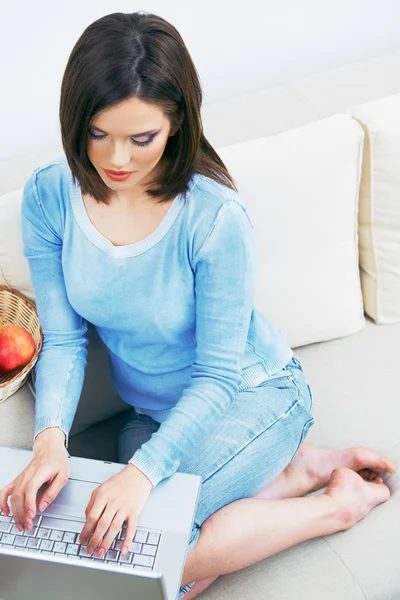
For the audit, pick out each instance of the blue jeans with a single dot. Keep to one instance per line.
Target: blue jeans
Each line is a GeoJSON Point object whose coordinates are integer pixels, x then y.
{"type": "Point", "coordinates": [249, 447]}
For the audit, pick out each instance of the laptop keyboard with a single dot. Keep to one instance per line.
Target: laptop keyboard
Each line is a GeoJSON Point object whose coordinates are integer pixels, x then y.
{"type": "Point", "coordinates": [60, 537]}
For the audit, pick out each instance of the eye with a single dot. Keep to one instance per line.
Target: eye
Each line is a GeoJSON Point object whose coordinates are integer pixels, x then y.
{"type": "Point", "coordinates": [101, 137]}
{"type": "Point", "coordinates": [146, 143]}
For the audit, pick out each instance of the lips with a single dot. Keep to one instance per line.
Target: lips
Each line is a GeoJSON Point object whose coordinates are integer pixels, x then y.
{"type": "Point", "coordinates": [118, 172]}
{"type": "Point", "coordinates": [118, 175]}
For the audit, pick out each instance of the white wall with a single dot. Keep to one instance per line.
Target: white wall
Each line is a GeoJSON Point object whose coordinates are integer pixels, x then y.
{"type": "Point", "coordinates": [236, 47]}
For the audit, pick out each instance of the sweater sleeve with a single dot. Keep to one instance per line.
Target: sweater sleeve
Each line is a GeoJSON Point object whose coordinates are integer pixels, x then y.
{"type": "Point", "coordinates": [224, 295]}
{"type": "Point", "coordinates": [62, 359]}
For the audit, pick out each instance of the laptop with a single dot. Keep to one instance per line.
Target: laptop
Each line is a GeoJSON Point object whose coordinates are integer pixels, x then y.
{"type": "Point", "coordinates": [48, 563]}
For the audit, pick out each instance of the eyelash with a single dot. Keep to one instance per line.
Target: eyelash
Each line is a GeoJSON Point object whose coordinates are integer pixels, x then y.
{"type": "Point", "coordinates": [101, 137]}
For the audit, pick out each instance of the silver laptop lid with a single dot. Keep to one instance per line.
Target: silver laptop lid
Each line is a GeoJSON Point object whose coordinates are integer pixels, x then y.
{"type": "Point", "coordinates": [170, 508]}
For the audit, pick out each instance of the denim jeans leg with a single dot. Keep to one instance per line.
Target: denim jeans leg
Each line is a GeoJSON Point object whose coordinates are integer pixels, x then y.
{"type": "Point", "coordinates": [137, 430]}
{"type": "Point", "coordinates": [251, 444]}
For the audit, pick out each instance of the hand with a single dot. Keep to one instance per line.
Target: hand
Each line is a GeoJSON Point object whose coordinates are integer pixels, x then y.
{"type": "Point", "coordinates": [120, 498]}
{"type": "Point", "coordinates": [50, 463]}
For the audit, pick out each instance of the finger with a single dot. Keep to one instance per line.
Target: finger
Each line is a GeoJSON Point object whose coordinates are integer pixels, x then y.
{"type": "Point", "coordinates": [101, 529]}
{"type": "Point", "coordinates": [4, 494]}
{"type": "Point", "coordinates": [91, 520]}
{"type": "Point", "coordinates": [130, 532]}
{"type": "Point", "coordinates": [17, 502]}
{"type": "Point", "coordinates": [31, 487]}
{"type": "Point", "coordinates": [112, 532]}
{"type": "Point", "coordinates": [92, 500]}
{"type": "Point", "coordinates": [50, 494]}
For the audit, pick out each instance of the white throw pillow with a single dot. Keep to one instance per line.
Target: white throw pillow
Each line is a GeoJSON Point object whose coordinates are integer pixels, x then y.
{"type": "Point", "coordinates": [379, 214]}
{"type": "Point", "coordinates": [14, 267]}
{"type": "Point", "coordinates": [301, 190]}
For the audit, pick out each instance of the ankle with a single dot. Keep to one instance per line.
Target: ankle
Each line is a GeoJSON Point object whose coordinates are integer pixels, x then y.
{"type": "Point", "coordinates": [341, 515]}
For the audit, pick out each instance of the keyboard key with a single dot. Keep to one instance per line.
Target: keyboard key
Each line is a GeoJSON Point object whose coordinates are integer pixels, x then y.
{"type": "Point", "coordinates": [59, 547]}
{"type": "Point", "coordinates": [7, 538]}
{"type": "Point", "coordinates": [150, 550]}
{"type": "Point", "coordinates": [153, 538]}
{"type": "Point", "coordinates": [5, 527]}
{"type": "Point", "coordinates": [141, 537]}
{"type": "Point", "coordinates": [83, 552]}
{"type": "Point", "coordinates": [135, 547]}
{"type": "Point", "coordinates": [14, 529]}
{"type": "Point", "coordinates": [33, 543]}
{"type": "Point", "coordinates": [4, 519]}
{"type": "Point", "coordinates": [112, 555]}
{"type": "Point", "coordinates": [56, 536]}
{"type": "Point", "coordinates": [69, 537]}
{"type": "Point", "coordinates": [31, 533]}
{"type": "Point", "coordinates": [72, 549]}
{"type": "Point", "coordinates": [43, 533]}
{"type": "Point", "coordinates": [20, 540]}
{"type": "Point", "coordinates": [144, 561]}
{"type": "Point", "coordinates": [125, 558]}
{"type": "Point", "coordinates": [46, 545]}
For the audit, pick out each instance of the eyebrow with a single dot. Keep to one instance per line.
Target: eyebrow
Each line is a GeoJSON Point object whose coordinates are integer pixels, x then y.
{"type": "Point", "coordinates": [132, 135]}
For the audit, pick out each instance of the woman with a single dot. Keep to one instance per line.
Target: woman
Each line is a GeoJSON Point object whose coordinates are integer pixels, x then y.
{"type": "Point", "coordinates": [160, 258]}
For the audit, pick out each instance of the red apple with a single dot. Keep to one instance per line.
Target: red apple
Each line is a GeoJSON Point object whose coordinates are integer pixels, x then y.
{"type": "Point", "coordinates": [17, 347]}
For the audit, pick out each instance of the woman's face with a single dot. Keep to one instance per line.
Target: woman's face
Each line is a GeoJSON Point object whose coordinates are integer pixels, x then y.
{"type": "Point", "coordinates": [118, 142]}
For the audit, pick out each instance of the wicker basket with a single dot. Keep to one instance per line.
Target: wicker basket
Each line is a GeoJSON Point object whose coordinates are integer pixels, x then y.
{"type": "Point", "coordinates": [15, 309]}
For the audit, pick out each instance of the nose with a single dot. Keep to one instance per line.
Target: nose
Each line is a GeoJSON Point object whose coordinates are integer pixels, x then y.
{"type": "Point", "coordinates": [120, 157]}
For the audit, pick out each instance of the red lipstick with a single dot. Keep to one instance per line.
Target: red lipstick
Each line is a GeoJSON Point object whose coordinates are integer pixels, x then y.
{"type": "Point", "coordinates": [118, 175]}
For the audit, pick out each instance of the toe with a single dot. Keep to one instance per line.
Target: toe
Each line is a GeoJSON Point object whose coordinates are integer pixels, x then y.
{"type": "Point", "coordinates": [368, 459]}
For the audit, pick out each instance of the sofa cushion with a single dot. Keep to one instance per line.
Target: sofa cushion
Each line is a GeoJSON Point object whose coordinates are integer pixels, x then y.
{"type": "Point", "coordinates": [354, 383]}
{"type": "Point", "coordinates": [301, 189]}
{"type": "Point", "coordinates": [379, 214]}
{"type": "Point", "coordinates": [17, 415]}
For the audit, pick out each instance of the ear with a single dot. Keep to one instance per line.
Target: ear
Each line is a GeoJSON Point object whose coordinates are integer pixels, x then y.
{"type": "Point", "coordinates": [175, 129]}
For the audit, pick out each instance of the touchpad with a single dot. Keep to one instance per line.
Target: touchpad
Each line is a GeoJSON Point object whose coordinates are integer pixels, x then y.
{"type": "Point", "coordinates": [72, 500]}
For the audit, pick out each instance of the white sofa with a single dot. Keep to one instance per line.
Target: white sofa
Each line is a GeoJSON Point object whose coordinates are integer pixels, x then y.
{"type": "Point", "coordinates": [317, 163]}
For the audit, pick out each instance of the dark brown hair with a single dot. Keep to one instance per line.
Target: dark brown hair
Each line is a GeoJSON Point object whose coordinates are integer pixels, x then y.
{"type": "Point", "coordinates": [127, 55]}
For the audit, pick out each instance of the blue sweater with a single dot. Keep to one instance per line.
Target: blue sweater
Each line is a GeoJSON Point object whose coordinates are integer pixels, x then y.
{"type": "Point", "coordinates": [175, 311]}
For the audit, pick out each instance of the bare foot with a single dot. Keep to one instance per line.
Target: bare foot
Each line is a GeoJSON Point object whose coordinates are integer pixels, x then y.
{"type": "Point", "coordinates": [311, 470]}
{"type": "Point", "coordinates": [355, 497]}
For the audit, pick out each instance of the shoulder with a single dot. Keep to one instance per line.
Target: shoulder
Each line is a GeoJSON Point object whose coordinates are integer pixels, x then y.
{"type": "Point", "coordinates": [210, 202]}
{"type": "Point", "coordinates": [208, 196]}
{"type": "Point", "coordinates": [47, 190]}
{"type": "Point", "coordinates": [51, 174]}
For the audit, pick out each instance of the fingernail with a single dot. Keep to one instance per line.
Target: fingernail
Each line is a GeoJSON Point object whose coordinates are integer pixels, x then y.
{"type": "Point", "coordinates": [100, 552]}
{"type": "Point", "coordinates": [19, 526]}
{"type": "Point", "coordinates": [89, 550]}
{"type": "Point", "coordinates": [43, 506]}
{"type": "Point", "coordinates": [30, 513]}
{"type": "Point", "coordinates": [124, 549]}
{"type": "Point", "coordinates": [27, 525]}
